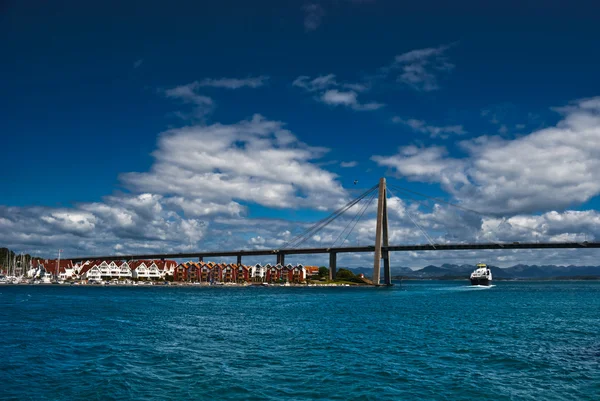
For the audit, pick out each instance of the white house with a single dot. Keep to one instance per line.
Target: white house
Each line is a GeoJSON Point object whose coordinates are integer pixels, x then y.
{"type": "Point", "coordinates": [145, 270]}
{"type": "Point", "coordinates": [90, 271]}
{"type": "Point", "coordinates": [258, 273]}
{"type": "Point", "coordinates": [104, 269]}
{"type": "Point", "coordinates": [153, 272]}
{"type": "Point", "coordinates": [166, 267]}
{"type": "Point", "coordinates": [124, 270]}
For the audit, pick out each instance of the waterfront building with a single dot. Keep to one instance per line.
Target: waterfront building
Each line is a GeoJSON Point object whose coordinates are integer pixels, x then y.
{"type": "Point", "coordinates": [243, 274]}
{"type": "Point", "coordinates": [104, 269]}
{"type": "Point", "coordinates": [139, 270]}
{"type": "Point", "coordinates": [124, 270]}
{"type": "Point", "coordinates": [217, 272]}
{"type": "Point", "coordinates": [180, 273]}
{"type": "Point", "coordinates": [298, 274]}
{"type": "Point", "coordinates": [51, 267]}
{"type": "Point", "coordinates": [273, 273]}
{"type": "Point", "coordinates": [205, 270]}
{"type": "Point", "coordinates": [286, 273]}
{"type": "Point", "coordinates": [311, 271]}
{"type": "Point", "coordinates": [90, 271]}
{"type": "Point", "coordinates": [145, 270]}
{"type": "Point", "coordinates": [166, 267]}
{"type": "Point", "coordinates": [229, 273]}
{"type": "Point", "coordinates": [258, 273]}
{"type": "Point", "coordinates": [193, 272]}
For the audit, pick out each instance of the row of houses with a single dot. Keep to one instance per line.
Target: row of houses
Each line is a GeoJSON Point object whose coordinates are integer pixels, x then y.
{"type": "Point", "coordinates": [95, 270]}
{"type": "Point", "coordinates": [234, 273]}
{"type": "Point", "coordinates": [102, 269]}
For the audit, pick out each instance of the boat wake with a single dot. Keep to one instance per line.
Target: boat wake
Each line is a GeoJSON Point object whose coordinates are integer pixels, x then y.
{"type": "Point", "coordinates": [480, 287]}
{"type": "Point", "coordinates": [466, 288]}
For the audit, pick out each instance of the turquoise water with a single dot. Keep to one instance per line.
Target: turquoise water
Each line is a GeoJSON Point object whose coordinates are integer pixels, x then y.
{"type": "Point", "coordinates": [421, 340]}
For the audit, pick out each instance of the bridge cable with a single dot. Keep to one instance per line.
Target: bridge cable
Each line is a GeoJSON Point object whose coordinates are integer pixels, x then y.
{"type": "Point", "coordinates": [464, 208]}
{"type": "Point", "coordinates": [303, 233]}
{"type": "Point", "coordinates": [322, 223]}
{"type": "Point", "coordinates": [297, 240]}
{"type": "Point", "coordinates": [364, 210]}
{"type": "Point", "coordinates": [415, 223]}
{"type": "Point", "coordinates": [321, 226]}
{"type": "Point", "coordinates": [360, 211]}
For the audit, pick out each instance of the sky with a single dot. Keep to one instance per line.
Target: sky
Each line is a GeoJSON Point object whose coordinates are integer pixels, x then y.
{"type": "Point", "coordinates": [151, 127]}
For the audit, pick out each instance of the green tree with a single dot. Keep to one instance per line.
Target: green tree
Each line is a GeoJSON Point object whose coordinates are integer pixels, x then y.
{"type": "Point", "coordinates": [344, 274]}
{"type": "Point", "coordinates": [323, 272]}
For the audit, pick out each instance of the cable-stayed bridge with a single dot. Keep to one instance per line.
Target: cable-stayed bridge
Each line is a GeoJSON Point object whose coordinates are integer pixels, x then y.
{"type": "Point", "coordinates": [381, 248]}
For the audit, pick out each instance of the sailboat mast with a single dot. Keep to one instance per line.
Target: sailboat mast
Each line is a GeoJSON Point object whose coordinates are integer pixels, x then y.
{"type": "Point", "coordinates": [58, 265]}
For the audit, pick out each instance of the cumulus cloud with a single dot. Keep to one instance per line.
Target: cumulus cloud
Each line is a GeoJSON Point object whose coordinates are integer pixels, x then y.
{"type": "Point", "coordinates": [349, 164]}
{"type": "Point", "coordinates": [137, 223]}
{"type": "Point", "coordinates": [330, 93]}
{"type": "Point", "coordinates": [349, 99]}
{"type": "Point", "coordinates": [552, 168]}
{"type": "Point", "coordinates": [433, 131]}
{"type": "Point", "coordinates": [255, 160]}
{"type": "Point", "coordinates": [203, 180]}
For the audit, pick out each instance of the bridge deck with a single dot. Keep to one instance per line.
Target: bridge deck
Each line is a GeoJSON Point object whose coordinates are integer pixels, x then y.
{"type": "Point", "coordinates": [393, 248]}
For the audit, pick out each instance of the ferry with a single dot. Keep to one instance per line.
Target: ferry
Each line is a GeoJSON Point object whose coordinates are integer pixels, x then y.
{"type": "Point", "coordinates": [482, 275]}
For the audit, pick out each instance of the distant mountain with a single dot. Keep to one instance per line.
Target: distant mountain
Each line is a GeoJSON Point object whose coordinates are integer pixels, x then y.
{"type": "Point", "coordinates": [527, 271]}
{"type": "Point", "coordinates": [396, 270]}
{"type": "Point", "coordinates": [520, 271]}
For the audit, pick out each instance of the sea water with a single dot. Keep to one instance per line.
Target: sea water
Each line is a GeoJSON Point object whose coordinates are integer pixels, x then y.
{"type": "Point", "coordinates": [429, 340]}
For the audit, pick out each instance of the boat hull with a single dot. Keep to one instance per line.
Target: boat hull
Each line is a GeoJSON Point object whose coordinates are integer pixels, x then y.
{"type": "Point", "coordinates": [480, 281]}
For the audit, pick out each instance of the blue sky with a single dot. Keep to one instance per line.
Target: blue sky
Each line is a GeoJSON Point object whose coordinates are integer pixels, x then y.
{"type": "Point", "coordinates": [104, 103]}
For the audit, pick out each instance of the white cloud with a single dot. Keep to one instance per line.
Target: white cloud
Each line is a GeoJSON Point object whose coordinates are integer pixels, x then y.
{"type": "Point", "coordinates": [328, 86]}
{"type": "Point", "coordinates": [235, 83]}
{"type": "Point", "coordinates": [335, 97]}
{"type": "Point", "coordinates": [203, 105]}
{"type": "Point", "coordinates": [349, 164]}
{"type": "Point", "coordinates": [198, 208]}
{"type": "Point", "coordinates": [432, 130]}
{"type": "Point", "coordinates": [419, 68]}
{"type": "Point", "coordinates": [423, 164]}
{"type": "Point", "coordinates": [551, 168]}
{"type": "Point", "coordinates": [313, 15]}
{"type": "Point", "coordinates": [135, 223]}
{"type": "Point", "coordinates": [319, 83]}
{"type": "Point", "coordinates": [187, 93]}
{"type": "Point", "coordinates": [255, 161]}
{"type": "Point", "coordinates": [349, 99]}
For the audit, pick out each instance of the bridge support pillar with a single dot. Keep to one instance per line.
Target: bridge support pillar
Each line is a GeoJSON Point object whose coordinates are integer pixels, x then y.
{"type": "Point", "coordinates": [239, 260]}
{"type": "Point", "coordinates": [281, 258]}
{"type": "Point", "coordinates": [332, 265]}
{"type": "Point", "coordinates": [381, 238]}
{"type": "Point", "coordinates": [200, 259]}
{"type": "Point", "coordinates": [387, 274]}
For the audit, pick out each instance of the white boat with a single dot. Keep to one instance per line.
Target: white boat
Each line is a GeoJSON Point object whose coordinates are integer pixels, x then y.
{"type": "Point", "coordinates": [482, 275]}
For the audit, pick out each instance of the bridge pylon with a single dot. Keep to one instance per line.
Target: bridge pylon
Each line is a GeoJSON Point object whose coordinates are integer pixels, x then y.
{"type": "Point", "coordinates": [382, 238]}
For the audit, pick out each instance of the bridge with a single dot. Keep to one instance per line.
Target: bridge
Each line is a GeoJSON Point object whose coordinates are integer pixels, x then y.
{"type": "Point", "coordinates": [381, 249]}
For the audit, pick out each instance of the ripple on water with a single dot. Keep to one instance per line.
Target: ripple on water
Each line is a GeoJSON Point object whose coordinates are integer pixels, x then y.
{"type": "Point", "coordinates": [421, 340]}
